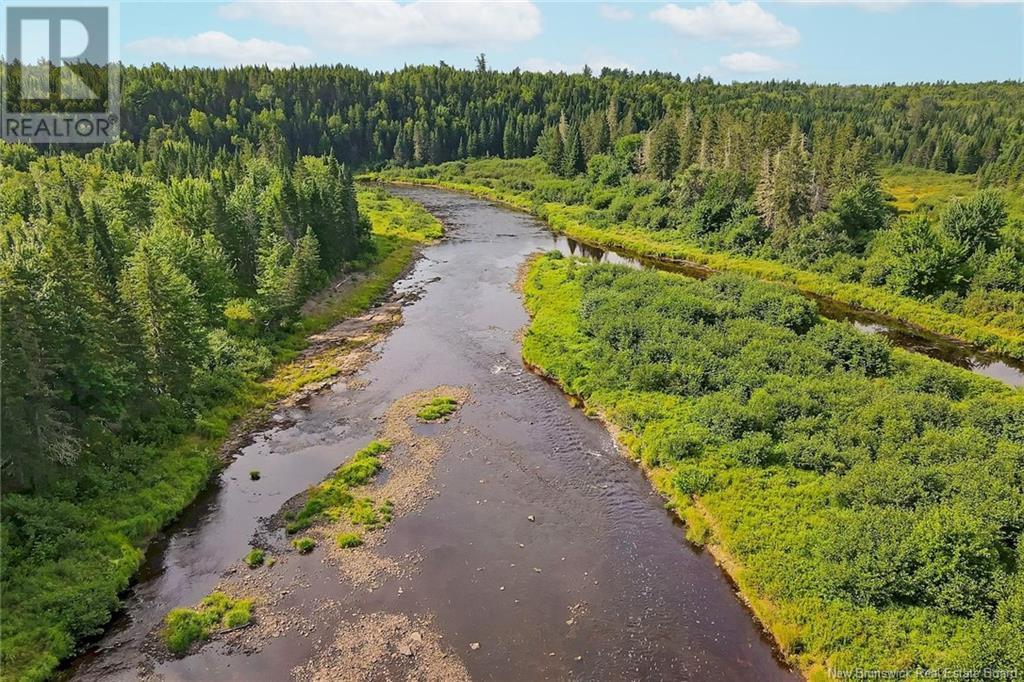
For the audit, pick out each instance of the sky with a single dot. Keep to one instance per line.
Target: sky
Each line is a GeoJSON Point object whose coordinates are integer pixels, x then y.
{"type": "Point", "coordinates": [823, 41]}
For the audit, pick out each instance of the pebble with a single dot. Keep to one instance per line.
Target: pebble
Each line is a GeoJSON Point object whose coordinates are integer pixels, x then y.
{"type": "Point", "coordinates": [474, 645]}
{"type": "Point", "coordinates": [531, 518]}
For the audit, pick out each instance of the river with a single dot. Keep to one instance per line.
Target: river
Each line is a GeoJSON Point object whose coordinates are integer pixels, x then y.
{"type": "Point", "coordinates": [601, 584]}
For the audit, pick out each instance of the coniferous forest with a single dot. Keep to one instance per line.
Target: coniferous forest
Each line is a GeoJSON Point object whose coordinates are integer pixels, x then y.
{"type": "Point", "coordinates": [151, 288]}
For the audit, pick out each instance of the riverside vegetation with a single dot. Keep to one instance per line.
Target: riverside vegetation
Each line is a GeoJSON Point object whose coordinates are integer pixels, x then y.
{"type": "Point", "coordinates": [183, 627]}
{"type": "Point", "coordinates": [149, 301]}
{"type": "Point", "coordinates": [152, 290]}
{"type": "Point", "coordinates": [869, 502]}
{"type": "Point", "coordinates": [955, 268]}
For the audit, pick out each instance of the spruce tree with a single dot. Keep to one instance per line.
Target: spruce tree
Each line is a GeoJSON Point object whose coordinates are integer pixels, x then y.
{"type": "Point", "coordinates": [573, 162]}
{"type": "Point", "coordinates": [166, 307]}
{"type": "Point", "coordinates": [663, 152]}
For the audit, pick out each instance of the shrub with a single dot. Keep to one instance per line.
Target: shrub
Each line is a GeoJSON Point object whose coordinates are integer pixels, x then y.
{"type": "Point", "coordinates": [304, 545]}
{"type": "Point", "coordinates": [183, 627]}
{"type": "Point", "coordinates": [348, 540]}
{"type": "Point", "coordinates": [871, 498]}
{"type": "Point", "coordinates": [255, 558]}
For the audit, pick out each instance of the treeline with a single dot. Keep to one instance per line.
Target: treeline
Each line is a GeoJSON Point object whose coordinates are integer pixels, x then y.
{"type": "Point", "coordinates": [432, 114]}
{"type": "Point", "coordinates": [872, 496]}
{"type": "Point", "coordinates": [141, 285]}
{"type": "Point", "coordinates": [764, 187]}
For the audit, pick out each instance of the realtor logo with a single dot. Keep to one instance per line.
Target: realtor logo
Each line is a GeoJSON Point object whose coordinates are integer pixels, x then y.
{"type": "Point", "coordinates": [61, 81]}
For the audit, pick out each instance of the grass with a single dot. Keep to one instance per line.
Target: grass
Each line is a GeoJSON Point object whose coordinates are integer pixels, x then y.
{"type": "Point", "coordinates": [398, 217]}
{"type": "Point", "coordinates": [665, 245]}
{"type": "Point", "coordinates": [333, 497]}
{"type": "Point", "coordinates": [255, 558]}
{"type": "Point", "coordinates": [918, 190]}
{"type": "Point", "coordinates": [438, 409]}
{"type": "Point", "coordinates": [82, 564]}
{"type": "Point", "coordinates": [349, 540]}
{"type": "Point", "coordinates": [183, 627]}
{"type": "Point", "coordinates": [304, 545]}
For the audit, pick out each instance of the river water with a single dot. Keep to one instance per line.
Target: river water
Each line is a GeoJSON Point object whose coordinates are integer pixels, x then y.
{"type": "Point", "coordinates": [601, 585]}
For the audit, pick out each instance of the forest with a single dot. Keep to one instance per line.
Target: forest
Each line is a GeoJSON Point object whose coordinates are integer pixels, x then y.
{"type": "Point", "coordinates": [147, 300]}
{"type": "Point", "coordinates": [431, 114]}
{"type": "Point", "coordinates": [153, 295]}
{"type": "Point", "coordinates": [871, 497]}
{"type": "Point", "coordinates": [822, 220]}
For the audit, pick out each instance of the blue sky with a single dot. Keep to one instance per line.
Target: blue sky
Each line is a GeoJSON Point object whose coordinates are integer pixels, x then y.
{"type": "Point", "coordinates": [844, 41]}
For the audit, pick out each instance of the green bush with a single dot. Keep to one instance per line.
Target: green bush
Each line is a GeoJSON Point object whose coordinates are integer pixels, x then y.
{"type": "Point", "coordinates": [349, 540]}
{"type": "Point", "coordinates": [183, 627]}
{"type": "Point", "coordinates": [871, 496]}
{"type": "Point", "coordinates": [255, 558]}
{"type": "Point", "coordinates": [333, 496]}
{"type": "Point", "coordinates": [304, 545]}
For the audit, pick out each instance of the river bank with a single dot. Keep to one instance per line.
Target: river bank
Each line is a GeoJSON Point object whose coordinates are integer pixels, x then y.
{"type": "Point", "coordinates": [788, 516]}
{"type": "Point", "coordinates": [116, 534]}
{"type": "Point", "coordinates": [992, 344]}
{"type": "Point", "coordinates": [538, 548]}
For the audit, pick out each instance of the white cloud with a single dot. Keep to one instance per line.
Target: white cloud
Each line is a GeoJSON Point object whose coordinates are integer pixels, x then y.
{"type": "Point", "coordinates": [596, 63]}
{"type": "Point", "coordinates": [742, 23]}
{"type": "Point", "coordinates": [751, 62]}
{"type": "Point", "coordinates": [364, 24]}
{"type": "Point", "coordinates": [615, 12]}
{"type": "Point", "coordinates": [221, 48]}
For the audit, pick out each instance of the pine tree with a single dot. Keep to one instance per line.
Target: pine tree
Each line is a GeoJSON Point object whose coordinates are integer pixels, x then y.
{"type": "Point", "coordinates": [166, 307]}
{"type": "Point", "coordinates": [942, 159]}
{"type": "Point", "coordinates": [573, 162]}
{"type": "Point", "coordinates": [551, 149]}
{"type": "Point", "coordinates": [303, 275]}
{"type": "Point", "coordinates": [38, 432]}
{"type": "Point", "coordinates": [662, 159]}
{"type": "Point", "coordinates": [791, 186]}
{"type": "Point", "coordinates": [764, 195]}
{"type": "Point", "coordinates": [275, 256]}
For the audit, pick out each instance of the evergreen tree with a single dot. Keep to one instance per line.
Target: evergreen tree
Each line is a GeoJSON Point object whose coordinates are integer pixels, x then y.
{"type": "Point", "coordinates": [791, 185]}
{"type": "Point", "coordinates": [166, 308]}
{"type": "Point", "coordinates": [662, 158]}
{"type": "Point", "coordinates": [573, 162]}
{"type": "Point", "coordinates": [551, 149]}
